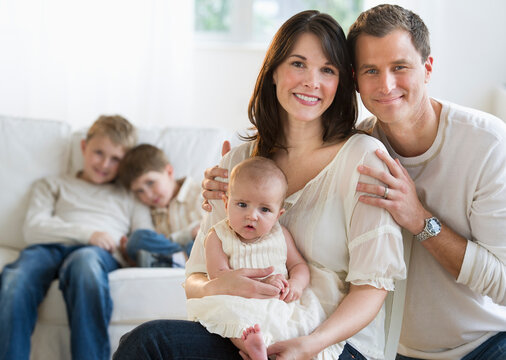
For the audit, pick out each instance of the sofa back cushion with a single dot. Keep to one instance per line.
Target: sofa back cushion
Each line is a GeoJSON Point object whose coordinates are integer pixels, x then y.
{"type": "Point", "coordinates": [29, 149]}
{"type": "Point", "coordinates": [189, 150]}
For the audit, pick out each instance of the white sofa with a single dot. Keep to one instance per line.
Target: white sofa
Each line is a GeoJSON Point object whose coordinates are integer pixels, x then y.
{"type": "Point", "coordinates": [31, 149]}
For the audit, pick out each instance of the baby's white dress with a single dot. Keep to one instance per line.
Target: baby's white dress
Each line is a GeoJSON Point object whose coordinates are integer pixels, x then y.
{"type": "Point", "coordinates": [228, 315]}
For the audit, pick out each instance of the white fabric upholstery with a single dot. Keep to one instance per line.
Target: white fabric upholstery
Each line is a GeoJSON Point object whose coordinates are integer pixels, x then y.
{"type": "Point", "coordinates": [31, 149]}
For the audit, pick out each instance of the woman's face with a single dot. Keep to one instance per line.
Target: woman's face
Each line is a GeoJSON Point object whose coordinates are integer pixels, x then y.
{"type": "Point", "coordinates": [306, 82]}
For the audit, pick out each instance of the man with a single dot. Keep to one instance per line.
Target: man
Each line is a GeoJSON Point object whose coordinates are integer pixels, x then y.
{"type": "Point", "coordinates": [447, 187]}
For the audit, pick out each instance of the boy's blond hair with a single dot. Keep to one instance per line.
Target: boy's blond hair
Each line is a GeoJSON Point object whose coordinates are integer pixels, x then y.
{"type": "Point", "coordinates": [118, 129]}
{"type": "Point", "coordinates": [258, 169]}
{"type": "Point", "coordinates": [139, 161]}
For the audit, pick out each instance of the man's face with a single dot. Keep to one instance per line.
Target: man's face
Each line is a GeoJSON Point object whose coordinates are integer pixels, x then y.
{"type": "Point", "coordinates": [391, 77]}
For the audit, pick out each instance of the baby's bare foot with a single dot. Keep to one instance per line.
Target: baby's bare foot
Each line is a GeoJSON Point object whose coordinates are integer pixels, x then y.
{"type": "Point", "coordinates": [254, 343]}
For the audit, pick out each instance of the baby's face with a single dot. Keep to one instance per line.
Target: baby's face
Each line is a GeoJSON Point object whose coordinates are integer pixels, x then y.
{"type": "Point", "coordinates": [154, 188]}
{"type": "Point", "coordinates": [254, 208]}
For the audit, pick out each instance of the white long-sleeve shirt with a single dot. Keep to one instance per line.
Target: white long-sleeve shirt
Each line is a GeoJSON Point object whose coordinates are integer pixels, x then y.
{"type": "Point", "coordinates": [349, 241]}
{"type": "Point", "coordinates": [461, 179]}
{"type": "Point", "coordinates": [67, 209]}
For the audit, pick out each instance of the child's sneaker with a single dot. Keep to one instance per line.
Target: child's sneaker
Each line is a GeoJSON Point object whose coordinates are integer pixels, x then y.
{"type": "Point", "coordinates": [148, 259]}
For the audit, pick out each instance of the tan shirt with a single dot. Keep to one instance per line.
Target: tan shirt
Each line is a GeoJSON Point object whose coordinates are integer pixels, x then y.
{"type": "Point", "coordinates": [182, 215]}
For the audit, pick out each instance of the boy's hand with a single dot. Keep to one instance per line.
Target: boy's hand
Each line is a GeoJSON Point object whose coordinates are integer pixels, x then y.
{"type": "Point", "coordinates": [276, 280]}
{"type": "Point", "coordinates": [123, 251]}
{"type": "Point", "coordinates": [102, 240]}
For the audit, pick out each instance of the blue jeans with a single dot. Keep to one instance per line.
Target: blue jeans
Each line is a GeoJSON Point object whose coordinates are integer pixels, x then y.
{"type": "Point", "coordinates": [153, 242]}
{"type": "Point", "coordinates": [494, 348]}
{"type": "Point", "coordinates": [179, 339]}
{"type": "Point", "coordinates": [83, 279]}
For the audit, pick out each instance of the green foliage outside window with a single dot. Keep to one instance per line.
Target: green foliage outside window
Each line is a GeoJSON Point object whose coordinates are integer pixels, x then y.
{"type": "Point", "coordinates": [344, 11]}
{"type": "Point", "coordinates": [215, 16]}
{"type": "Point", "coordinates": [212, 15]}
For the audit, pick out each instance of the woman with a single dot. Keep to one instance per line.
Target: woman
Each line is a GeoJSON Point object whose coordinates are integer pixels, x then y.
{"type": "Point", "coordinates": [304, 110]}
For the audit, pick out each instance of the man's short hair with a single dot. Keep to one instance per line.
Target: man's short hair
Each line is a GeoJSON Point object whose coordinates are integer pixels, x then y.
{"type": "Point", "coordinates": [381, 20]}
{"type": "Point", "coordinates": [118, 129]}
{"type": "Point", "coordinates": [139, 161]}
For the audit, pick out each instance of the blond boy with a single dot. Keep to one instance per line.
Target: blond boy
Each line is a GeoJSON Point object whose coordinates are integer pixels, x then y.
{"type": "Point", "coordinates": [175, 207]}
{"type": "Point", "coordinates": [74, 223]}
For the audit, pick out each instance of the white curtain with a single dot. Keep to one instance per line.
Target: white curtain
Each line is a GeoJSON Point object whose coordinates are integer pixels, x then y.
{"type": "Point", "coordinates": [72, 60]}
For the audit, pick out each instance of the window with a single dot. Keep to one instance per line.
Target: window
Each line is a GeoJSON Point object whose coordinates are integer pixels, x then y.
{"type": "Point", "coordinates": [256, 21]}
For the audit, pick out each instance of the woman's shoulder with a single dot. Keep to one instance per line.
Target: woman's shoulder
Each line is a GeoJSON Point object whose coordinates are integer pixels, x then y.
{"type": "Point", "coordinates": [365, 142]}
{"type": "Point", "coordinates": [237, 154]}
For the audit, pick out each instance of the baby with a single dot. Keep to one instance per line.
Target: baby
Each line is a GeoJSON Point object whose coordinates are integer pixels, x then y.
{"type": "Point", "coordinates": [251, 237]}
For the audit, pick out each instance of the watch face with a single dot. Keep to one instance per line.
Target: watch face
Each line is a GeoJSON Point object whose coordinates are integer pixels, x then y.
{"type": "Point", "coordinates": [434, 226]}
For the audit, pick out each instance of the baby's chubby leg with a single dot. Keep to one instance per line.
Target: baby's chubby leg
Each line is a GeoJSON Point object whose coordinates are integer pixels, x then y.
{"type": "Point", "coordinates": [252, 344]}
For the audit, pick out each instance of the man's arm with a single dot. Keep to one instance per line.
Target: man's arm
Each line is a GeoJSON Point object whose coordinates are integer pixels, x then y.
{"type": "Point", "coordinates": [455, 253]}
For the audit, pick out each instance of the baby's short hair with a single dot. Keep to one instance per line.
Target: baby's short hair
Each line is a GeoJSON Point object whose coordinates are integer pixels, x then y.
{"type": "Point", "coordinates": [139, 161]}
{"type": "Point", "coordinates": [258, 169]}
{"type": "Point", "coordinates": [118, 129]}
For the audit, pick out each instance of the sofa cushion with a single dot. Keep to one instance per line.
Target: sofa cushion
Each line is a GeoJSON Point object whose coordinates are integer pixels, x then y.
{"type": "Point", "coordinates": [7, 256]}
{"type": "Point", "coordinates": [140, 294]}
{"type": "Point", "coordinates": [196, 148]}
{"type": "Point", "coordinates": [30, 149]}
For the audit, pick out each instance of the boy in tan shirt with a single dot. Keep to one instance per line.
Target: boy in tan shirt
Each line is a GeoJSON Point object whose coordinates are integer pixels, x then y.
{"type": "Point", "coordinates": [175, 208]}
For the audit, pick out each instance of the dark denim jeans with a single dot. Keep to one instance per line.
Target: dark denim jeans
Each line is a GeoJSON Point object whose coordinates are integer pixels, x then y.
{"type": "Point", "coordinates": [179, 339]}
{"type": "Point", "coordinates": [83, 276]}
{"type": "Point", "coordinates": [154, 243]}
{"type": "Point", "coordinates": [492, 349]}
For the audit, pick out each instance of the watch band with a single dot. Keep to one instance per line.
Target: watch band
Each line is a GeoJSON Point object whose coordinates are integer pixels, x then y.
{"type": "Point", "coordinates": [432, 228]}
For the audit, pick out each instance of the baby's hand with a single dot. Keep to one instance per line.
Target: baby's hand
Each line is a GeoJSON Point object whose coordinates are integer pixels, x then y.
{"type": "Point", "coordinates": [276, 280]}
{"type": "Point", "coordinates": [292, 292]}
{"type": "Point", "coordinates": [102, 240]}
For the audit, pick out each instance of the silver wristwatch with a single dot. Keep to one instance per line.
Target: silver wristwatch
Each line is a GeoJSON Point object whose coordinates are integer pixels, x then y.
{"type": "Point", "coordinates": [432, 228]}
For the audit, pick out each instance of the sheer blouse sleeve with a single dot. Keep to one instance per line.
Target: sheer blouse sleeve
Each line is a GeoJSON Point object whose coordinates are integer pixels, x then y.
{"type": "Point", "coordinates": [375, 240]}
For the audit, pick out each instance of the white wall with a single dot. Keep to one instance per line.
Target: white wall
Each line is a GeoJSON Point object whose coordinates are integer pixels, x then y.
{"type": "Point", "coordinates": [467, 38]}
{"type": "Point", "coordinates": [54, 66]}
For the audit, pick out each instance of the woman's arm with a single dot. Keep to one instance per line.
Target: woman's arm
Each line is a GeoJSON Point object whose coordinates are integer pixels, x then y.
{"type": "Point", "coordinates": [240, 282]}
{"type": "Point", "coordinates": [358, 308]}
